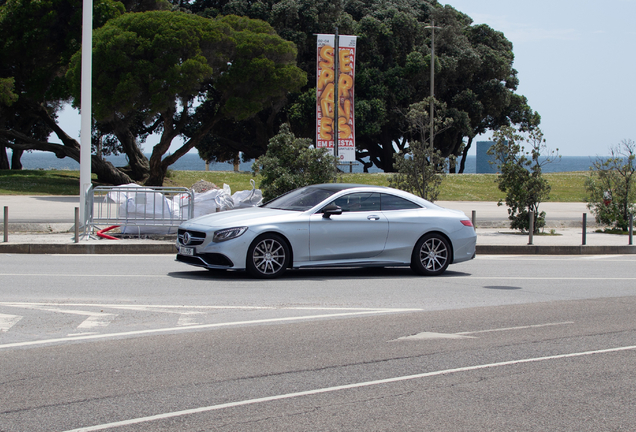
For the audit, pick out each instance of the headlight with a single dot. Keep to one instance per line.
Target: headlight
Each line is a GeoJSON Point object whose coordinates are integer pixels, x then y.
{"type": "Point", "coordinates": [228, 234]}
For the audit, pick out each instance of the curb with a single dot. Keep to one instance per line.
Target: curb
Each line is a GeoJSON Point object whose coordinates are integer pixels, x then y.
{"type": "Point", "coordinates": [87, 249]}
{"type": "Point", "coordinates": [169, 248]}
{"type": "Point", "coordinates": [554, 250]}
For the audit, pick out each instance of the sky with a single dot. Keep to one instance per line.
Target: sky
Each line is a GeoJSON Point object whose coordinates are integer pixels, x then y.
{"type": "Point", "coordinates": [576, 63]}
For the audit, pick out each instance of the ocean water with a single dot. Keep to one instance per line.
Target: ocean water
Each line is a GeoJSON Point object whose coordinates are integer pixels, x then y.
{"type": "Point", "coordinates": [192, 162]}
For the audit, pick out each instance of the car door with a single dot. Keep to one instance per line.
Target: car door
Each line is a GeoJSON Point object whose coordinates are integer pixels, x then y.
{"type": "Point", "coordinates": [358, 233]}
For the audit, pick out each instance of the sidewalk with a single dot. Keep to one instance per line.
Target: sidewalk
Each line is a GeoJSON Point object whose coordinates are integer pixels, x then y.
{"type": "Point", "coordinates": [44, 224]}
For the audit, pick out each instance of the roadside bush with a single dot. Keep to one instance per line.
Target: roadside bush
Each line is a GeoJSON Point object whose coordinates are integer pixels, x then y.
{"type": "Point", "coordinates": [612, 186]}
{"type": "Point", "coordinates": [520, 175]}
{"type": "Point", "coordinates": [420, 169]}
{"type": "Point", "coordinates": [290, 163]}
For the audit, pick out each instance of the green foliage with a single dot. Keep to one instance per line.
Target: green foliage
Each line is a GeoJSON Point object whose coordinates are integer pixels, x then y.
{"type": "Point", "coordinates": [520, 175]}
{"type": "Point", "coordinates": [290, 163]}
{"type": "Point", "coordinates": [473, 70]}
{"type": "Point", "coordinates": [421, 170]}
{"type": "Point", "coordinates": [185, 75]}
{"type": "Point", "coordinates": [38, 38]}
{"type": "Point", "coordinates": [611, 186]}
{"type": "Point", "coordinates": [143, 61]}
{"type": "Point", "coordinates": [7, 96]}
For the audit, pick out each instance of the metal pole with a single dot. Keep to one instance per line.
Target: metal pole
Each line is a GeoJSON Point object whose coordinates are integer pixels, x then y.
{"type": "Point", "coordinates": [531, 230]}
{"type": "Point", "coordinates": [432, 107]}
{"type": "Point", "coordinates": [631, 229]}
{"type": "Point", "coordinates": [336, 98]}
{"type": "Point", "coordinates": [584, 238]}
{"type": "Point", "coordinates": [86, 103]}
{"type": "Point", "coordinates": [6, 224]}
{"type": "Point", "coordinates": [77, 219]}
{"type": "Point", "coordinates": [474, 219]}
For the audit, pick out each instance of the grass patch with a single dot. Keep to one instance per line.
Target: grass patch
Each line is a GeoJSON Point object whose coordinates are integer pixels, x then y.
{"type": "Point", "coordinates": [612, 231]}
{"type": "Point", "coordinates": [566, 187]}
{"type": "Point", "coordinates": [39, 182]}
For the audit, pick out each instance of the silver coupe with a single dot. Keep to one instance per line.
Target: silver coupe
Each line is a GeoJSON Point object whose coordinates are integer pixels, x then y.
{"type": "Point", "coordinates": [330, 225]}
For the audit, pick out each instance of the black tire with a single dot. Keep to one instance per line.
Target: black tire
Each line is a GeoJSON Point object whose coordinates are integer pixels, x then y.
{"type": "Point", "coordinates": [432, 255]}
{"type": "Point", "coordinates": [268, 256]}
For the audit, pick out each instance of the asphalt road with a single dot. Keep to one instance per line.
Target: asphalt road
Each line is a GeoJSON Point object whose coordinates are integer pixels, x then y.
{"type": "Point", "coordinates": [132, 343]}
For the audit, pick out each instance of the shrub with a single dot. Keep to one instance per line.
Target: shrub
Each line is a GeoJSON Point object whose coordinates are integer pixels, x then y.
{"type": "Point", "coordinates": [290, 163]}
{"type": "Point", "coordinates": [612, 186]}
{"type": "Point", "coordinates": [520, 175]}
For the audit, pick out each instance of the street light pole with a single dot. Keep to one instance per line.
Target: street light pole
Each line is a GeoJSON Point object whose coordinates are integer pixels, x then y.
{"type": "Point", "coordinates": [432, 106]}
{"type": "Point", "coordinates": [336, 99]}
{"type": "Point", "coordinates": [86, 108]}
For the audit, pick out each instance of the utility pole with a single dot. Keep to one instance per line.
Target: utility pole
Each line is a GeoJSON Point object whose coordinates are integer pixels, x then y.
{"type": "Point", "coordinates": [432, 106]}
{"type": "Point", "coordinates": [336, 100]}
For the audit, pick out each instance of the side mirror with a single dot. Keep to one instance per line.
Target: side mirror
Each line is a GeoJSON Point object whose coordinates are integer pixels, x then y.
{"type": "Point", "coordinates": [331, 209]}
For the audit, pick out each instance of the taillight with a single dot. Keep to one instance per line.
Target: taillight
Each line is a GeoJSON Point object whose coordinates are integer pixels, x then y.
{"type": "Point", "coordinates": [466, 222]}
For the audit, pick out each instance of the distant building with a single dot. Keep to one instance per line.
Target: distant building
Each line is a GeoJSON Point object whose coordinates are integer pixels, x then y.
{"type": "Point", "coordinates": [483, 165]}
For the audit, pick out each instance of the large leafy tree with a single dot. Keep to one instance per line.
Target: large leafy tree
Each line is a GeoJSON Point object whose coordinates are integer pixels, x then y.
{"type": "Point", "coordinates": [37, 40]}
{"type": "Point", "coordinates": [473, 70]}
{"type": "Point", "coordinates": [182, 74]}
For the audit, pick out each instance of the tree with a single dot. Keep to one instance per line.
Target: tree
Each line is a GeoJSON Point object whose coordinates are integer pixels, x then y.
{"type": "Point", "coordinates": [612, 186]}
{"type": "Point", "coordinates": [290, 163]}
{"type": "Point", "coordinates": [183, 74]}
{"type": "Point", "coordinates": [421, 168]}
{"type": "Point", "coordinates": [37, 39]}
{"type": "Point", "coordinates": [7, 95]}
{"type": "Point", "coordinates": [473, 71]}
{"type": "Point", "coordinates": [520, 175]}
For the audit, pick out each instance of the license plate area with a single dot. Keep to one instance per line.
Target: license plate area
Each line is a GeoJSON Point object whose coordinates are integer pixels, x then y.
{"type": "Point", "coordinates": [188, 251]}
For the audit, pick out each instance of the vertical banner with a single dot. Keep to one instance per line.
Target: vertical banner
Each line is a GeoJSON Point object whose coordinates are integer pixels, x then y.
{"type": "Point", "coordinates": [325, 77]}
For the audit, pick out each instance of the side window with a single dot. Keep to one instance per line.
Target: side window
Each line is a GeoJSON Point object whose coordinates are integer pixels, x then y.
{"type": "Point", "coordinates": [359, 202]}
{"type": "Point", "coordinates": [392, 202]}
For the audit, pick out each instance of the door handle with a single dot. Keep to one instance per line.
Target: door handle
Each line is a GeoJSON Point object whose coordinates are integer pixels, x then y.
{"type": "Point", "coordinates": [373, 217]}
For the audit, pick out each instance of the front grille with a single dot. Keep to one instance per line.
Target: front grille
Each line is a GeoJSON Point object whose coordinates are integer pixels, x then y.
{"type": "Point", "coordinates": [196, 237]}
{"type": "Point", "coordinates": [216, 259]}
{"type": "Point", "coordinates": [206, 260]}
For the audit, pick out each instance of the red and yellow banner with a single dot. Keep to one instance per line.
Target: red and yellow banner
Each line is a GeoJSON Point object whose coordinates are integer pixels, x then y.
{"type": "Point", "coordinates": [325, 92]}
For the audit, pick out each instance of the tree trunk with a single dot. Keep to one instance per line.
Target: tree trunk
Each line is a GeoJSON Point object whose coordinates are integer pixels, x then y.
{"type": "Point", "coordinates": [137, 161]}
{"type": "Point", "coordinates": [4, 160]}
{"type": "Point", "coordinates": [16, 163]}
{"type": "Point", "coordinates": [462, 166]}
{"type": "Point", "coordinates": [107, 173]}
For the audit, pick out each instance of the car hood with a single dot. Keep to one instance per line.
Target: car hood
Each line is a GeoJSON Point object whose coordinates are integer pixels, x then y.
{"type": "Point", "coordinates": [231, 218]}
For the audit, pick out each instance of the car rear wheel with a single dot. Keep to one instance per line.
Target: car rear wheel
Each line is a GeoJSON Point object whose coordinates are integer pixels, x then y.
{"type": "Point", "coordinates": [268, 256]}
{"type": "Point", "coordinates": [431, 255]}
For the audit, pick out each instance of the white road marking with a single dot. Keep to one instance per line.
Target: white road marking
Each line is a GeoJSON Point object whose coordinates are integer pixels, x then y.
{"type": "Point", "coordinates": [433, 335]}
{"type": "Point", "coordinates": [188, 318]}
{"type": "Point", "coordinates": [342, 387]}
{"type": "Point", "coordinates": [95, 319]}
{"type": "Point", "coordinates": [538, 278]}
{"type": "Point", "coordinates": [159, 307]}
{"type": "Point", "coordinates": [77, 275]}
{"type": "Point", "coordinates": [8, 321]}
{"type": "Point", "coordinates": [516, 328]}
{"type": "Point", "coordinates": [463, 335]}
{"type": "Point", "coordinates": [349, 313]}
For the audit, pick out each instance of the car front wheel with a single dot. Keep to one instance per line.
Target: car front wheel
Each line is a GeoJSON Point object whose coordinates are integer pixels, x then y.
{"type": "Point", "coordinates": [431, 255]}
{"type": "Point", "coordinates": [268, 256]}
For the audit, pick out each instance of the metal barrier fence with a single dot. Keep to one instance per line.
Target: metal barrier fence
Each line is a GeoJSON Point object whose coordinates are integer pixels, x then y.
{"type": "Point", "coordinates": [138, 210]}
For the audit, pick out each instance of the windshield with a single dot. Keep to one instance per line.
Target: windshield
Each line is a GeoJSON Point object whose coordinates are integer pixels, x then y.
{"type": "Point", "coordinates": [301, 199]}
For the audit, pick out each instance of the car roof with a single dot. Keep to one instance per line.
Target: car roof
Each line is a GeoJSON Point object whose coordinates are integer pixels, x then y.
{"type": "Point", "coordinates": [343, 186]}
